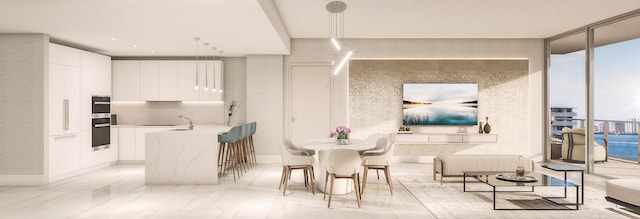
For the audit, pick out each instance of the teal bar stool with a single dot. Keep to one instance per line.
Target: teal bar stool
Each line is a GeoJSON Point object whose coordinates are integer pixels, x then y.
{"type": "Point", "coordinates": [228, 153]}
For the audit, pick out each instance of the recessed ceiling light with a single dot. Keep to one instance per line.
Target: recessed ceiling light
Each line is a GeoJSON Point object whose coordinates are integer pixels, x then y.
{"type": "Point", "coordinates": [113, 38]}
{"type": "Point", "coordinates": [135, 46]}
{"type": "Point", "coordinates": [153, 51]}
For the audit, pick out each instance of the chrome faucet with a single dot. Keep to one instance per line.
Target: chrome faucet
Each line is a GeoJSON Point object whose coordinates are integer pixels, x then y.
{"type": "Point", "coordinates": [187, 118]}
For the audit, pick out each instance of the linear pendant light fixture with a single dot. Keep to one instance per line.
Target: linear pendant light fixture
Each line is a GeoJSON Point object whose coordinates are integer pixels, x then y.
{"type": "Point", "coordinates": [214, 68]}
{"type": "Point", "coordinates": [206, 67]}
{"type": "Point", "coordinates": [336, 30]}
{"type": "Point", "coordinates": [336, 21]}
{"type": "Point", "coordinates": [197, 82]}
{"type": "Point", "coordinates": [221, 75]}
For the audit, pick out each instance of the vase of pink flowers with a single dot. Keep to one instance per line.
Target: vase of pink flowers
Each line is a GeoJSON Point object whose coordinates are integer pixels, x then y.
{"type": "Point", "coordinates": [341, 134]}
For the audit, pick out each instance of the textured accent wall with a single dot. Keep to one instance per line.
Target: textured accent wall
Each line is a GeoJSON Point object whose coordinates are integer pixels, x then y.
{"type": "Point", "coordinates": [24, 70]}
{"type": "Point", "coordinates": [200, 113]}
{"type": "Point", "coordinates": [264, 101]}
{"type": "Point", "coordinates": [532, 137]}
{"type": "Point", "coordinates": [375, 99]}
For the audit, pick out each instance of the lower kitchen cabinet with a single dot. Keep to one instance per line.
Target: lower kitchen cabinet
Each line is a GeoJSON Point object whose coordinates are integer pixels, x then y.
{"type": "Point", "coordinates": [64, 154]}
{"type": "Point", "coordinates": [126, 143]}
{"type": "Point", "coordinates": [132, 142]}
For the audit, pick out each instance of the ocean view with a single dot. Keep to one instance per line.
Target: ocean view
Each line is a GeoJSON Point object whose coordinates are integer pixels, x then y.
{"type": "Point", "coordinates": [622, 146]}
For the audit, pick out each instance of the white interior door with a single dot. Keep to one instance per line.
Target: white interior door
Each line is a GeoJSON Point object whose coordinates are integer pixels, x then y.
{"type": "Point", "coordinates": [310, 102]}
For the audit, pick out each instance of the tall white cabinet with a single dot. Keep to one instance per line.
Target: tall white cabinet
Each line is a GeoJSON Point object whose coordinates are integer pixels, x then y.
{"type": "Point", "coordinates": [74, 76]}
{"type": "Point", "coordinates": [64, 110]}
{"type": "Point", "coordinates": [167, 80]}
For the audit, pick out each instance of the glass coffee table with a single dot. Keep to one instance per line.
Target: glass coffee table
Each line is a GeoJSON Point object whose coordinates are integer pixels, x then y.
{"type": "Point", "coordinates": [565, 169]}
{"type": "Point", "coordinates": [541, 180]}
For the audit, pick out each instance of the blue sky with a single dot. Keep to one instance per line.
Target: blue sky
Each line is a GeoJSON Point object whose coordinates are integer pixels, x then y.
{"type": "Point", "coordinates": [617, 81]}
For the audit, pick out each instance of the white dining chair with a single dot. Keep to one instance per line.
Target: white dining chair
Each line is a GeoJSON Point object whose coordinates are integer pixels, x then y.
{"type": "Point", "coordinates": [298, 160]}
{"type": "Point", "coordinates": [379, 161]}
{"type": "Point", "coordinates": [342, 164]}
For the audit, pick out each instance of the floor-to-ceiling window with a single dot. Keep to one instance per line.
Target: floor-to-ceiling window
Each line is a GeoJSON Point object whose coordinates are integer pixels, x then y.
{"type": "Point", "coordinates": [614, 70]}
{"type": "Point", "coordinates": [617, 94]}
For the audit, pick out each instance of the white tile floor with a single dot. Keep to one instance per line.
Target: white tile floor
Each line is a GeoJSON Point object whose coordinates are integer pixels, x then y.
{"type": "Point", "coordinates": [119, 192]}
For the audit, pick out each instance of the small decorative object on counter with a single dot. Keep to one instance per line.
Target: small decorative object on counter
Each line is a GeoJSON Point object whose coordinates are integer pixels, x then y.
{"type": "Point", "coordinates": [341, 134]}
{"type": "Point", "coordinates": [487, 127]}
{"type": "Point", "coordinates": [231, 109]}
{"type": "Point", "coordinates": [480, 128]}
{"type": "Point", "coordinates": [520, 168]}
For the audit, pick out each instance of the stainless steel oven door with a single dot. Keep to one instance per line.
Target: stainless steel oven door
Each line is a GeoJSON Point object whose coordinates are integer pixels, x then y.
{"type": "Point", "coordinates": [100, 105]}
{"type": "Point", "coordinates": [100, 132]}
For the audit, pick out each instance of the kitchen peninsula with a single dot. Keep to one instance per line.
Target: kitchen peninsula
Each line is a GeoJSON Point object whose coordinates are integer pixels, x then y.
{"type": "Point", "coordinates": [183, 156]}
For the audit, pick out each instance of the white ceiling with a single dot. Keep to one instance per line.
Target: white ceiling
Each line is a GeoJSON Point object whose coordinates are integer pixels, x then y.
{"type": "Point", "coordinates": [241, 27]}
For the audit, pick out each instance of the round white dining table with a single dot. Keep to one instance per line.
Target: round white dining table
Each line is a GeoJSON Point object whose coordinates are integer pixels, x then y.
{"type": "Point", "coordinates": [324, 146]}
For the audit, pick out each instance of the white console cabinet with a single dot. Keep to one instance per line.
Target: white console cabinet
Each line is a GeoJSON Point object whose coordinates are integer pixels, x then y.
{"type": "Point", "coordinates": [445, 138]}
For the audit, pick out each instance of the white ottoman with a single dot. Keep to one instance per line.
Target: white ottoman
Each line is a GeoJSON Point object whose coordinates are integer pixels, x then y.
{"type": "Point", "coordinates": [625, 192]}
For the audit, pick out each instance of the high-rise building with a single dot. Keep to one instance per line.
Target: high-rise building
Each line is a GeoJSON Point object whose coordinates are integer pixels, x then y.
{"type": "Point", "coordinates": [562, 117]}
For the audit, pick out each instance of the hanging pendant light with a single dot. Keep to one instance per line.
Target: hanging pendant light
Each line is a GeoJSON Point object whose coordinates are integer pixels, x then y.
{"type": "Point", "coordinates": [336, 21]}
{"type": "Point", "coordinates": [221, 74]}
{"type": "Point", "coordinates": [206, 68]}
{"type": "Point", "coordinates": [197, 82]}
{"type": "Point", "coordinates": [336, 30]}
{"type": "Point", "coordinates": [214, 69]}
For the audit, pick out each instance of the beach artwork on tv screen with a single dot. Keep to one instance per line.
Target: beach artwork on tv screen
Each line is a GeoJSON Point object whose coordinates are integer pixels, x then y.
{"type": "Point", "coordinates": [440, 104]}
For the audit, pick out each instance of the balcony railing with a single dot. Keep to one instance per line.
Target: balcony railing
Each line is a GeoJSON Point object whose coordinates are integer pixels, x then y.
{"type": "Point", "coordinates": [621, 144]}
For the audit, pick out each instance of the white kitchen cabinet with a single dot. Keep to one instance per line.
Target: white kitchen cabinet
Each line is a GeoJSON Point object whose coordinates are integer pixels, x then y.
{"type": "Point", "coordinates": [141, 141]}
{"type": "Point", "coordinates": [187, 81]}
{"type": "Point", "coordinates": [126, 80]}
{"type": "Point", "coordinates": [64, 96]}
{"type": "Point", "coordinates": [64, 154]}
{"type": "Point", "coordinates": [168, 80]}
{"type": "Point", "coordinates": [95, 80]}
{"type": "Point", "coordinates": [64, 55]}
{"type": "Point", "coordinates": [126, 143]}
{"type": "Point", "coordinates": [149, 80]}
{"type": "Point", "coordinates": [114, 147]}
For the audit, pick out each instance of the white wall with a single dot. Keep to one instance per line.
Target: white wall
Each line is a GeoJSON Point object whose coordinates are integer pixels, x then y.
{"type": "Point", "coordinates": [24, 67]}
{"type": "Point", "coordinates": [264, 101]}
{"type": "Point", "coordinates": [319, 50]}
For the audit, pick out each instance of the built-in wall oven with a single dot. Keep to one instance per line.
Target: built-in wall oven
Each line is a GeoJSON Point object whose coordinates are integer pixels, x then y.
{"type": "Point", "coordinates": [100, 122]}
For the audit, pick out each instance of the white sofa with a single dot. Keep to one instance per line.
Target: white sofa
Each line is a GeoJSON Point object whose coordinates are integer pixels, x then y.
{"type": "Point", "coordinates": [625, 192]}
{"type": "Point", "coordinates": [452, 165]}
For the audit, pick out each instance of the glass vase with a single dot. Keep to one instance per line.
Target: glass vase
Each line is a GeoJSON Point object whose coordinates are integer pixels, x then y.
{"type": "Point", "coordinates": [342, 141]}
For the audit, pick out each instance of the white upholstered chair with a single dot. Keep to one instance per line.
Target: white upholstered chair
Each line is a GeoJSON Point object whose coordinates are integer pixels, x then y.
{"type": "Point", "coordinates": [293, 160]}
{"type": "Point", "coordinates": [374, 138]}
{"type": "Point", "coordinates": [342, 163]}
{"type": "Point", "coordinates": [573, 146]}
{"type": "Point", "coordinates": [379, 161]}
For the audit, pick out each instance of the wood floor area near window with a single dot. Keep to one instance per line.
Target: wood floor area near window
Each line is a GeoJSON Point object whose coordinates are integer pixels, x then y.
{"type": "Point", "coordinates": [119, 192]}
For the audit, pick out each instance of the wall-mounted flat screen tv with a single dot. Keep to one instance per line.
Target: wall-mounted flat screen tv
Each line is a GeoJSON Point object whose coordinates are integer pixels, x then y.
{"type": "Point", "coordinates": [440, 104]}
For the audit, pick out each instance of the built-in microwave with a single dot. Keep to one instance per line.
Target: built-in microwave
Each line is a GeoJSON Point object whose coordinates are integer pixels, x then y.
{"type": "Point", "coordinates": [100, 105]}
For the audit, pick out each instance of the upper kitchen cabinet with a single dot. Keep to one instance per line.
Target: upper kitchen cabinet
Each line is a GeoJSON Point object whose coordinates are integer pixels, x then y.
{"type": "Point", "coordinates": [126, 80]}
{"type": "Point", "coordinates": [64, 55]}
{"type": "Point", "coordinates": [159, 81]}
{"type": "Point", "coordinates": [149, 77]}
{"type": "Point", "coordinates": [187, 81]}
{"type": "Point", "coordinates": [167, 80]}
